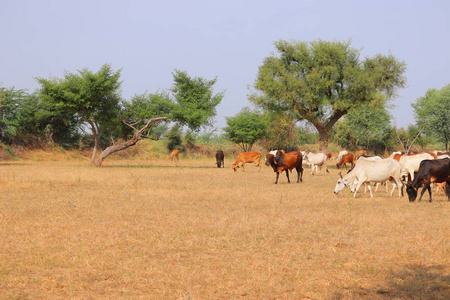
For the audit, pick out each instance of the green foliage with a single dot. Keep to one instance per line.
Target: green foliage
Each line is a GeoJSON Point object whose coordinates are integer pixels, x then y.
{"type": "Point", "coordinates": [92, 97]}
{"type": "Point", "coordinates": [305, 136]}
{"type": "Point", "coordinates": [9, 150]}
{"type": "Point", "coordinates": [143, 107]}
{"type": "Point", "coordinates": [433, 111]}
{"type": "Point", "coordinates": [10, 101]}
{"type": "Point", "coordinates": [368, 124]}
{"type": "Point", "coordinates": [24, 120]}
{"type": "Point", "coordinates": [174, 140]}
{"type": "Point", "coordinates": [322, 81]}
{"type": "Point", "coordinates": [342, 135]}
{"type": "Point", "coordinates": [146, 106]}
{"type": "Point", "coordinates": [195, 103]}
{"type": "Point", "coordinates": [281, 133]}
{"type": "Point", "coordinates": [246, 128]}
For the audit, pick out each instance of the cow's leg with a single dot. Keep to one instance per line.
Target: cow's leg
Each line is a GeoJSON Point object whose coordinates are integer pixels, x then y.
{"type": "Point", "coordinates": [301, 176]}
{"type": "Point", "coordinates": [447, 189]}
{"type": "Point", "coordinates": [396, 182]}
{"type": "Point", "coordinates": [370, 189]}
{"type": "Point", "coordinates": [276, 181]}
{"type": "Point", "coordinates": [287, 175]}
{"type": "Point", "coordinates": [426, 186]}
{"type": "Point", "coordinates": [326, 169]}
{"type": "Point", "coordinates": [358, 185]}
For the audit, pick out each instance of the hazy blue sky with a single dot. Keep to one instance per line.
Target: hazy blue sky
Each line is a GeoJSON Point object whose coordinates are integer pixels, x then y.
{"type": "Point", "coordinates": [228, 39]}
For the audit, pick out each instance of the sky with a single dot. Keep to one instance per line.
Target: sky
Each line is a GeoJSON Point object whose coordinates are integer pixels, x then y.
{"type": "Point", "coordinates": [228, 40]}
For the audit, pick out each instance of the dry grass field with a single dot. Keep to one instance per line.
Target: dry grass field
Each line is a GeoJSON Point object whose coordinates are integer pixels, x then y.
{"type": "Point", "coordinates": [150, 230]}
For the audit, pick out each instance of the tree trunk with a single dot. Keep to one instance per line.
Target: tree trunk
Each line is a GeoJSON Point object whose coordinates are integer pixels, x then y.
{"type": "Point", "coordinates": [137, 136]}
{"type": "Point", "coordinates": [114, 148]}
{"type": "Point", "coordinates": [94, 153]}
{"type": "Point", "coordinates": [323, 140]}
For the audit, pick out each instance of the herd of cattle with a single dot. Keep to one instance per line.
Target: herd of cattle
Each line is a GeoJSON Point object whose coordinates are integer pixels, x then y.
{"type": "Point", "coordinates": [412, 170]}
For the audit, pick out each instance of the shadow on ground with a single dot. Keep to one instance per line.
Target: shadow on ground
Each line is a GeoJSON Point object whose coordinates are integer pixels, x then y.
{"type": "Point", "coordinates": [412, 282]}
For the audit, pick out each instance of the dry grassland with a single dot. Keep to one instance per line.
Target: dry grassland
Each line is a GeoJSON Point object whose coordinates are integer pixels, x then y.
{"type": "Point", "coordinates": [150, 230]}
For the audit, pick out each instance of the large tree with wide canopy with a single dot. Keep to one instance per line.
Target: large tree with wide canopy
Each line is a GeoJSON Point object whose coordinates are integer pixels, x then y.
{"type": "Point", "coordinates": [322, 81]}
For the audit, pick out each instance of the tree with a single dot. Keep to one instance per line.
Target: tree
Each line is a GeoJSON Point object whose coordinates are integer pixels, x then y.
{"type": "Point", "coordinates": [93, 97]}
{"type": "Point", "coordinates": [194, 102]}
{"type": "Point", "coordinates": [368, 124]}
{"type": "Point", "coordinates": [138, 135]}
{"type": "Point", "coordinates": [282, 132]}
{"type": "Point", "coordinates": [10, 101]}
{"type": "Point", "coordinates": [320, 82]}
{"type": "Point", "coordinates": [246, 128]}
{"type": "Point", "coordinates": [433, 109]}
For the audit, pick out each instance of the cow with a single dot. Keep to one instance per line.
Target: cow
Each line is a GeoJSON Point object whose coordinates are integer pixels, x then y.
{"type": "Point", "coordinates": [331, 156]}
{"type": "Point", "coordinates": [340, 154]}
{"type": "Point", "coordinates": [360, 153]}
{"type": "Point", "coordinates": [410, 164]}
{"type": "Point", "coordinates": [271, 153]}
{"type": "Point", "coordinates": [430, 170]}
{"type": "Point", "coordinates": [247, 157]}
{"type": "Point", "coordinates": [441, 186]}
{"type": "Point", "coordinates": [220, 159]}
{"type": "Point", "coordinates": [286, 162]}
{"type": "Point", "coordinates": [269, 159]}
{"type": "Point", "coordinates": [346, 158]}
{"type": "Point", "coordinates": [174, 156]}
{"type": "Point", "coordinates": [316, 161]}
{"type": "Point", "coordinates": [371, 171]}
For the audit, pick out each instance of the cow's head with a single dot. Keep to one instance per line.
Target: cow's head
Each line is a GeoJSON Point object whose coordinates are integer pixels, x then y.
{"type": "Point", "coordinates": [340, 184]}
{"type": "Point", "coordinates": [411, 191]}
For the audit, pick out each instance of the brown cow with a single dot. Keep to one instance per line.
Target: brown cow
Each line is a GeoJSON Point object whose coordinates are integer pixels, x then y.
{"type": "Point", "coordinates": [359, 153]}
{"type": "Point", "coordinates": [174, 155]}
{"type": "Point", "coordinates": [441, 186]}
{"type": "Point", "coordinates": [286, 161]}
{"type": "Point", "coordinates": [247, 157]}
{"type": "Point", "coordinates": [346, 158]}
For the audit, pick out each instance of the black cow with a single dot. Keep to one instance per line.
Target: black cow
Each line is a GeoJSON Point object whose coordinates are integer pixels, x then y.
{"type": "Point", "coordinates": [220, 159]}
{"type": "Point", "coordinates": [437, 170]}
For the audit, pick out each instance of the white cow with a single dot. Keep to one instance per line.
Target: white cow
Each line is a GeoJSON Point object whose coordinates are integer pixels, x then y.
{"type": "Point", "coordinates": [316, 161]}
{"type": "Point", "coordinates": [411, 163]}
{"type": "Point", "coordinates": [371, 171]}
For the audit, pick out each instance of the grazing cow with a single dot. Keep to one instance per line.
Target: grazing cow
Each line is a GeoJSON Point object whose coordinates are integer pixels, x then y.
{"type": "Point", "coordinates": [371, 171]}
{"type": "Point", "coordinates": [247, 157]}
{"type": "Point", "coordinates": [346, 158]}
{"type": "Point", "coordinates": [316, 161]}
{"type": "Point", "coordinates": [439, 153]}
{"type": "Point", "coordinates": [330, 156]}
{"type": "Point", "coordinates": [396, 155]}
{"type": "Point", "coordinates": [341, 153]}
{"type": "Point", "coordinates": [174, 155]}
{"type": "Point", "coordinates": [220, 159]}
{"type": "Point", "coordinates": [441, 186]}
{"type": "Point", "coordinates": [410, 163]}
{"type": "Point", "coordinates": [360, 153]}
{"type": "Point", "coordinates": [286, 162]}
{"type": "Point", "coordinates": [430, 170]}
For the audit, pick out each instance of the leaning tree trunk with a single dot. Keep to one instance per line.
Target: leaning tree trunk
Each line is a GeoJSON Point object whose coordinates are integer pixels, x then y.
{"type": "Point", "coordinates": [137, 136]}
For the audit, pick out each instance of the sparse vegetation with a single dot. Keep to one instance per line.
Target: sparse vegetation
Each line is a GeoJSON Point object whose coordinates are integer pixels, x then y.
{"type": "Point", "coordinates": [146, 229]}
